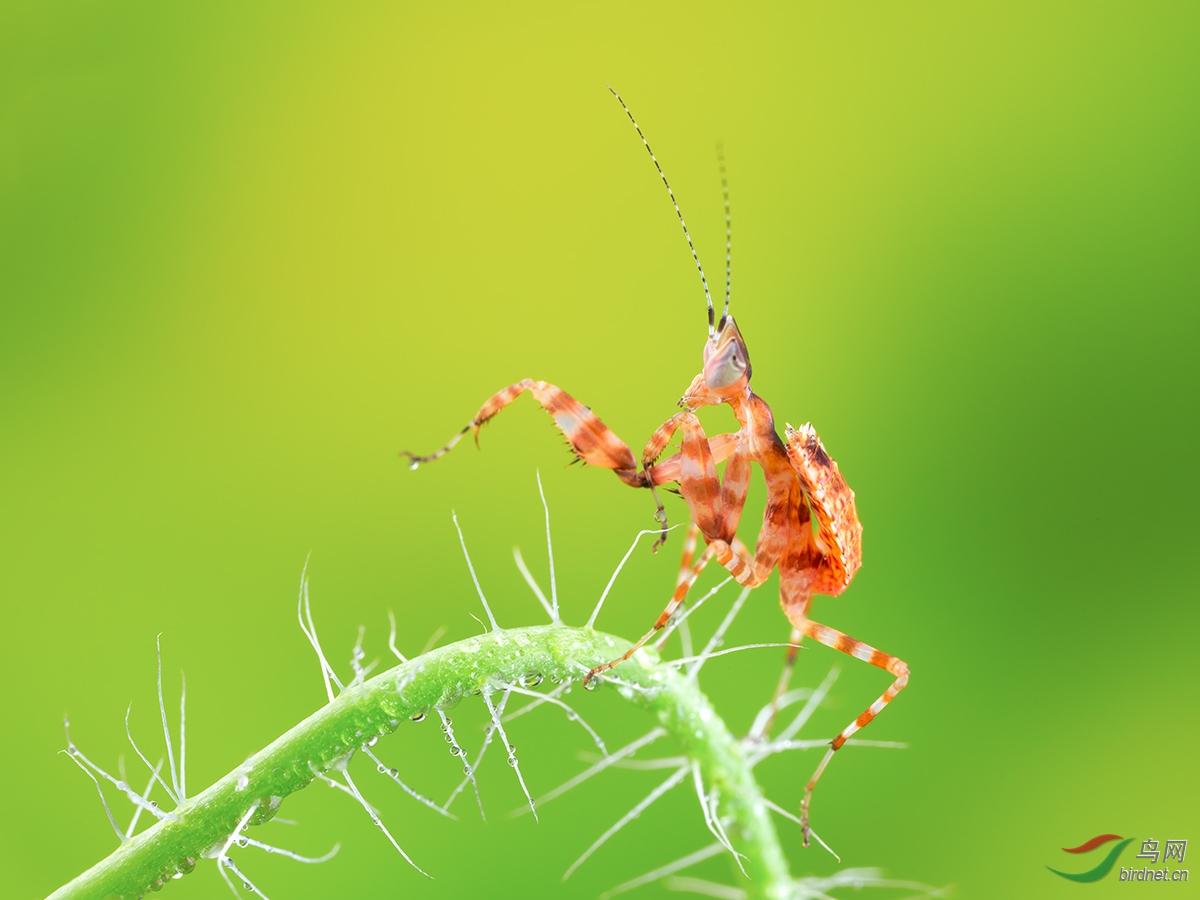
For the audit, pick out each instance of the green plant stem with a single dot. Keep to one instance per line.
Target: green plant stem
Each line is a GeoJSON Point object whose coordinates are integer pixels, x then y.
{"type": "Point", "coordinates": [327, 739]}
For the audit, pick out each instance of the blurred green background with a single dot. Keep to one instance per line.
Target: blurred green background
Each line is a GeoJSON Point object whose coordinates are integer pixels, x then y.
{"type": "Point", "coordinates": [248, 253]}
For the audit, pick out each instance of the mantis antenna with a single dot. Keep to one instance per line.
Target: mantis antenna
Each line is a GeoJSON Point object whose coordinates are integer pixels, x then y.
{"type": "Point", "coordinates": [678, 212]}
{"type": "Point", "coordinates": [728, 230]}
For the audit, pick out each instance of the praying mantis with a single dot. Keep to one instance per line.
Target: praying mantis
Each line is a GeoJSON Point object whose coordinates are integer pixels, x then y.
{"type": "Point", "coordinates": [803, 485]}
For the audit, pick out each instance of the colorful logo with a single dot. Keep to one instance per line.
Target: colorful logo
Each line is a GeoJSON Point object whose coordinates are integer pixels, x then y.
{"type": "Point", "coordinates": [1171, 850]}
{"type": "Point", "coordinates": [1106, 864]}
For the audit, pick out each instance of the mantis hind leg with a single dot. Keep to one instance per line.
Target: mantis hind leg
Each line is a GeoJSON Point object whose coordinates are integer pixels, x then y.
{"type": "Point", "coordinates": [825, 564]}
{"type": "Point", "coordinates": [716, 508]}
{"type": "Point", "coordinates": [797, 614]}
{"type": "Point", "coordinates": [785, 678]}
{"type": "Point", "coordinates": [748, 570]}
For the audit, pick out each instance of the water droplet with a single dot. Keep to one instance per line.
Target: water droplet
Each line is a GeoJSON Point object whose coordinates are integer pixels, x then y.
{"type": "Point", "coordinates": [393, 772]}
{"type": "Point", "coordinates": [419, 717]}
{"type": "Point", "coordinates": [373, 741]}
{"type": "Point", "coordinates": [466, 770]}
{"type": "Point", "coordinates": [512, 760]}
{"type": "Point", "coordinates": [382, 768]}
{"type": "Point", "coordinates": [512, 749]}
{"type": "Point", "coordinates": [591, 684]}
{"type": "Point", "coordinates": [154, 804]}
{"type": "Point", "coordinates": [531, 679]}
{"type": "Point", "coordinates": [456, 750]}
{"type": "Point", "coordinates": [243, 842]}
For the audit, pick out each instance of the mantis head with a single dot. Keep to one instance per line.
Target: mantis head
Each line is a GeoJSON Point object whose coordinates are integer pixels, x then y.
{"type": "Point", "coordinates": [726, 360]}
{"type": "Point", "coordinates": [726, 371]}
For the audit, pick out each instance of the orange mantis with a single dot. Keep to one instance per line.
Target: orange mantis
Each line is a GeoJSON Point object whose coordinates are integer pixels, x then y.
{"type": "Point", "coordinates": [803, 485]}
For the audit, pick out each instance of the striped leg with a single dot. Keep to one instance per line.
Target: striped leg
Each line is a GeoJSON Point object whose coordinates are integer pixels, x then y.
{"type": "Point", "coordinates": [720, 445]}
{"type": "Point", "coordinates": [749, 571]}
{"type": "Point", "coordinates": [719, 448]}
{"type": "Point", "coordinates": [591, 440]}
{"type": "Point", "coordinates": [785, 678]}
{"type": "Point", "coordinates": [856, 648]}
{"type": "Point", "coordinates": [659, 440]}
{"type": "Point", "coordinates": [685, 563]}
{"type": "Point", "coordinates": [689, 553]}
{"type": "Point", "coordinates": [671, 468]}
{"type": "Point", "coordinates": [716, 507]}
{"type": "Point", "coordinates": [715, 510]}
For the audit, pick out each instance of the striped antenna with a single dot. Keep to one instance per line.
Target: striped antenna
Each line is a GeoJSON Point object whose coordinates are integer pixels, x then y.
{"type": "Point", "coordinates": [728, 231]}
{"type": "Point", "coordinates": [678, 212]}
